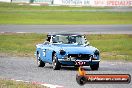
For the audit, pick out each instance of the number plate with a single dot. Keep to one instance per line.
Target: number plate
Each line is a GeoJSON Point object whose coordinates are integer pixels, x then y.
{"type": "Point", "coordinates": [80, 63]}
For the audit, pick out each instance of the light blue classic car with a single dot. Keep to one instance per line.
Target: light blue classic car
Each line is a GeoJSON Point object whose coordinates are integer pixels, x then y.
{"type": "Point", "coordinates": [67, 49]}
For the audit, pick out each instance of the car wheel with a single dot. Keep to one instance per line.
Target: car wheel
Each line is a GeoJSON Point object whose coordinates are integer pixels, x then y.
{"type": "Point", "coordinates": [56, 64]}
{"type": "Point", "coordinates": [94, 66]}
{"type": "Point", "coordinates": [40, 63]}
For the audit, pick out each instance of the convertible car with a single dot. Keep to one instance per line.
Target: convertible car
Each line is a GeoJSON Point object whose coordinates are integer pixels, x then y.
{"type": "Point", "coordinates": [67, 49]}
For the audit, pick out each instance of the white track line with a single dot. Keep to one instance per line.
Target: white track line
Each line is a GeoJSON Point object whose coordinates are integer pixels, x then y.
{"type": "Point", "coordinates": [40, 83]}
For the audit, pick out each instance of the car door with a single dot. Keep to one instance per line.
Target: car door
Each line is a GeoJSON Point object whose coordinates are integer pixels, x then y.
{"type": "Point", "coordinates": [48, 54]}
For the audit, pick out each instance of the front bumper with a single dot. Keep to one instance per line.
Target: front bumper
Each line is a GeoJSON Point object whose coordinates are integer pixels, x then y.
{"type": "Point", "coordinates": [78, 62]}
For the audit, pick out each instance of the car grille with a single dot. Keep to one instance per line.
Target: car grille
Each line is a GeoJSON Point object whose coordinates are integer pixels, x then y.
{"type": "Point", "coordinates": [80, 56]}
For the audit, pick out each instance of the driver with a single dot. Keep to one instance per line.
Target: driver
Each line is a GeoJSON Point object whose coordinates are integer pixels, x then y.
{"type": "Point", "coordinates": [72, 39]}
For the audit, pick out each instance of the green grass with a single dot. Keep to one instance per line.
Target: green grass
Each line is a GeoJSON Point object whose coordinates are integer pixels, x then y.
{"type": "Point", "coordinates": [19, 44]}
{"type": "Point", "coordinates": [4, 83]}
{"type": "Point", "coordinates": [14, 14]}
{"type": "Point", "coordinates": [111, 46]}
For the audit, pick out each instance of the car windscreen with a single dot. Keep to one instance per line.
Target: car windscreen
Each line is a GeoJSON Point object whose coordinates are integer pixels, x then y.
{"type": "Point", "coordinates": [69, 39]}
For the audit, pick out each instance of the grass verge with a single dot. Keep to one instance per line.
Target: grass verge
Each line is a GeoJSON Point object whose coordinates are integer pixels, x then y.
{"type": "Point", "coordinates": [112, 46]}
{"type": "Point", "coordinates": [14, 14]}
{"type": "Point", "coordinates": [20, 44]}
{"type": "Point", "coordinates": [13, 84]}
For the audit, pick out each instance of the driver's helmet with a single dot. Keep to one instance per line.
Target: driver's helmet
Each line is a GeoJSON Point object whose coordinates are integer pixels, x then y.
{"type": "Point", "coordinates": [72, 39]}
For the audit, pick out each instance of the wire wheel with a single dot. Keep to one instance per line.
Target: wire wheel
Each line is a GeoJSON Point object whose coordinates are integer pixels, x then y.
{"type": "Point", "coordinates": [40, 63]}
{"type": "Point", "coordinates": [56, 64]}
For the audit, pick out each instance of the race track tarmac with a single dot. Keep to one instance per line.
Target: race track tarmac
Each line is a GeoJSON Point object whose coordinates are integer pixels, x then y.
{"type": "Point", "coordinates": [90, 29]}
{"type": "Point", "coordinates": [25, 68]}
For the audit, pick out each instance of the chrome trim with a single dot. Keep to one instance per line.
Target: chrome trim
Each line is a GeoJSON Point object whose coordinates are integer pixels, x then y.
{"type": "Point", "coordinates": [79, 60]}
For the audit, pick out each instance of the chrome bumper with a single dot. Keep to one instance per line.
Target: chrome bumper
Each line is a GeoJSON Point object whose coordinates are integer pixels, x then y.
{"type": "Point", "coordinates": [79, 60]}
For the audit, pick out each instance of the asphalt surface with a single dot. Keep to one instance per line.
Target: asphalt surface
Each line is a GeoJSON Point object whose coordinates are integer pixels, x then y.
{"type": "Point", "coordinates": [91, 29]}
{"type": "Point", "coordinates": [24, 68]}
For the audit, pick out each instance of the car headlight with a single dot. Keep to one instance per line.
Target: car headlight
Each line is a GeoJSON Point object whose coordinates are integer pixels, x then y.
{"type": "Point", "coordinates": [96, 52]}
{"type": "Point", "coordinates": [62, 52]}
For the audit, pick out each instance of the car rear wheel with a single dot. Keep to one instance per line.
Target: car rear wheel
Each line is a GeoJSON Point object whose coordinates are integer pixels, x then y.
{"type": "Point", "coordinates": [40, 63]}
{"type": "Point", "coordinates": [94, 66]}
{"type": "Point", "coordinates": [56, 64]}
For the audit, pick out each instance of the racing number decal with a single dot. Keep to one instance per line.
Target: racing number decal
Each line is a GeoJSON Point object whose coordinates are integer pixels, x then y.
{"type": "Point", "coordinates": [80, 63]}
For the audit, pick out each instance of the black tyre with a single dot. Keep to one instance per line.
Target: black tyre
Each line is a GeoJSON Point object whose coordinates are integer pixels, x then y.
{"type": "Point", "coordinates": [94, 66]}
{"type": "Point", "coordinates": [55, 63]}
{"type": "Point", "coordinates": [40, 63]}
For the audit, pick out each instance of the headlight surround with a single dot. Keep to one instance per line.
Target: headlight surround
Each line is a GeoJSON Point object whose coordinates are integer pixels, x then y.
{"type": "Point", "coordinates": [96, 53]}
{"type": "Point", "coordinates": [62, 52]}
